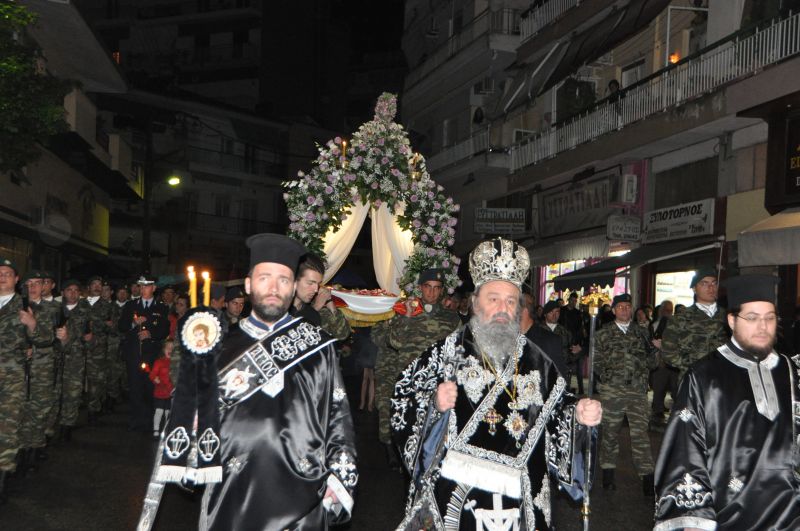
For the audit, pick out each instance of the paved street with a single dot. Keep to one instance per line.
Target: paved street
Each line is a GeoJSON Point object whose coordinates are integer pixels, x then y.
{"type": "Point", "coordinates": [97, 482]}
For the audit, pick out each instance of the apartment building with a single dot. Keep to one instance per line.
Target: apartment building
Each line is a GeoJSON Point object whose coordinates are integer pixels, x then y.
{"type": "Point", "coordinates": [655, 127]}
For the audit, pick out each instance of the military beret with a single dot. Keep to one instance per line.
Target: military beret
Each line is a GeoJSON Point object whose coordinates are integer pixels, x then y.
{"type": "Point", "coordinates": [48, 274]}
{"type": "Point", "coordinates": [217, 290]}
{"type": "Point", "coordinates": [751, 288]}
{"type": "Point", "coordinates": [431, 274]}
{"type": "Point", "coordinates": [623, 297]}
{"type": "Point", "coordinates": [701, 274]}
{"type": "Point", "coordinates": [234, 293]}
{"type": "Point", "coordinates": [276, 249]}
{"type": "Point", "coordinates": [93, 278]}
{"type": "Point", "coordinates": [70, 282]}
{"type": "Point", "coordinates": [8, 263]}
{"type": "Point", "coordinates": [550, 306]}
{"type": "Point", "coordinates": [33, 274]}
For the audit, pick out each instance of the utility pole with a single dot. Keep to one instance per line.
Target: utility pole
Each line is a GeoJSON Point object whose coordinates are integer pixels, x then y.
{"type": "Point", "coordinates": [148, 185]}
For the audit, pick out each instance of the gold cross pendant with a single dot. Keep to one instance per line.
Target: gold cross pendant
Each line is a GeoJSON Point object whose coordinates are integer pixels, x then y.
{"type": "Point", "coordinates": [492, 418]}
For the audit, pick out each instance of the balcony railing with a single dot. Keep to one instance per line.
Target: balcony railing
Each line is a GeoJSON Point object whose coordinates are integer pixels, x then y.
{"type": "Point", "coordinates": [723, 63]}
{"type": "Point", "coordinates": [502, 21]}
{"type": "Point", "coordinates": [477, 143]}
{"type": "Point", "coordinates": [540, 16]}
{"type": "Point", "coordinates": [255, 165]}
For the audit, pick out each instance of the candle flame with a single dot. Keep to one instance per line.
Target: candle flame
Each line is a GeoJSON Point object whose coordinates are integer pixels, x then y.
{"type": "Point", "coordinates": [206, 275]}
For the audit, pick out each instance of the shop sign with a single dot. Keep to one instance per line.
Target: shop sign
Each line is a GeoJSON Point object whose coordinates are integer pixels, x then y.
{"type": "Point", "coordinates": [499, 220]}
{"type": "Point", "coordinates": [579, 206]}
{"type": "Point", "coordinates": [624, 228]}
{"type": "Point", "coordinates": [679, 221]}
{"type": "Point", "coordinates": [793, 157]}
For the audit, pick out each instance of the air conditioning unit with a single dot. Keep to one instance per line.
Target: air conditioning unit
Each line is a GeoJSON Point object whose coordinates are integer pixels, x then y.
{"type": "Point", "coordinates": [629, 188]}
{"type": "Point", "coordinates": [521, 134]}
{"type": "Point", "coordinates": [484, 87]}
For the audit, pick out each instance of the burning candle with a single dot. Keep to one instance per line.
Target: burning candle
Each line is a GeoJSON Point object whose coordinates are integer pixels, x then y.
{"type": "Point", "coordinates": [206, 288]}
{"type": "Point", "coordinates": [192, 286]}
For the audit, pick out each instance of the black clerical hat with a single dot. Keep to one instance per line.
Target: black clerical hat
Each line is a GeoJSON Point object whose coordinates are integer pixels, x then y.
{"type": "Point", "coordinates": [275, 248]}
{"type": "Point", "coordinates": [751, 288]}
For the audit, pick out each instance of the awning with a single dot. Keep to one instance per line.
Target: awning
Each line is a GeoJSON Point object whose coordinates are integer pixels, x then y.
{"type": "Point", "coordinates": [603, 273]}
{"type": "Point", "coordinates": [772, 241]}
{"type": "Point", "coordinates": [569, 250]}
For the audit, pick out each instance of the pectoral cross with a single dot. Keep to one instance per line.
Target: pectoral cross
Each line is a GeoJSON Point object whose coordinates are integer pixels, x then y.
{"type": "Point", "coordinates": [497, 518]}
{"type": "Point", "coordinates": [492, 418]}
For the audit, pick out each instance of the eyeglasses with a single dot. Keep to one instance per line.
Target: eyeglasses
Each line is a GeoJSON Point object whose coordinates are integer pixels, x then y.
{"type": "Point", "coordinates": [752, 318]}
{"type": "Point", "coordinates": [7, 274]}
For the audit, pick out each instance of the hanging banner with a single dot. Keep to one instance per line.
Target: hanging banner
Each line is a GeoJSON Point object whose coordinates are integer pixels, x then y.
{"type": "Point", "coordinates": [686, 220]}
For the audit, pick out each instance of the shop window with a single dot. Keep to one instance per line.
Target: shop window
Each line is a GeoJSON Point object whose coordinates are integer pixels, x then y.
{"type": "Point", "coordinates": [548, 273]}
{"type": "Point", "coordinates": [674, 287]}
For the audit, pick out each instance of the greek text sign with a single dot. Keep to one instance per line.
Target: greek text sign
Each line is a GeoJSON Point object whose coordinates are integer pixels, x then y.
{"type": "Point", "coordinates": [686, 220]}
{"type": "Point", "coordinates": [582, 206]}
{"type": "Point", "coordinates": [624, 228]}
{"type": "Point", "coordinates": [499, 220]}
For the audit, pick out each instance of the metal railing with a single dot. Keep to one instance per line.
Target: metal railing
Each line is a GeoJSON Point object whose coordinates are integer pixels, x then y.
{"type": "Point", "coordinates": [710, 70]}
{"type": "Point", "coordinates": [539, 17]}
{"type": "Point", "coordinates": [502, 21]}
{"type": "Point", "coordinates": [478, 142]}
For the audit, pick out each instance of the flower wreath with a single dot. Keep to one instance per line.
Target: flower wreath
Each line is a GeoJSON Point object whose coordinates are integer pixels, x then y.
{"type": "Point", "coordinates": [378, 166]}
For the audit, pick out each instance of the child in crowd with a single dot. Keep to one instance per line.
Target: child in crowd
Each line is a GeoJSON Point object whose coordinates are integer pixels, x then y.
{"type": "Point", "coordinates": [162, 390]}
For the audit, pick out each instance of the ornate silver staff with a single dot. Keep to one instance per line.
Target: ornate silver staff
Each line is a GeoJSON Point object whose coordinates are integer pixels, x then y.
{"type": "Point", "coordinates": [587, 480]}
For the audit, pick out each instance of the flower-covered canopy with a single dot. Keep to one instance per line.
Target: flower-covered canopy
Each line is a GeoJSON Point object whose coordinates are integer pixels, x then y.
{"type": "Point", "coordinates": [377, 167]}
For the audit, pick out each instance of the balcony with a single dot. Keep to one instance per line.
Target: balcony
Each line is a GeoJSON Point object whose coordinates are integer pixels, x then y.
{"type": "Point", "coordinates": [227, 56]}
{"type": "Point", "coordinates": [543, 15]}
{"type": "Point", "coordinates": [477, 143]}
{"type": "Point", "coordinates": [707, 72]}
{"type": "Point", "coordinates": [501, 22]}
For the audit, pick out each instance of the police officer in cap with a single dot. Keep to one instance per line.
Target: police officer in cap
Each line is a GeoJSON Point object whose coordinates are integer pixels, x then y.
{"type": "Point", "coordinates": [144, 325]}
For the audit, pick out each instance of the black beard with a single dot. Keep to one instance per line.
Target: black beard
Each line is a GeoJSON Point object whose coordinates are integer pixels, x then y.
{"type": "Point", "coordinates": [759, 352]}
{"type": "Point", "coordinates": [269, 313]}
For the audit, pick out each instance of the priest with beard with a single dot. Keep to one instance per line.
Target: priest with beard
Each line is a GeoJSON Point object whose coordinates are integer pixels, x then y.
{"type": "Point", "coordinates": [483, 418]}
{"type": "Point", "coordinates": [729, 459]}
{"type": "Point", "coordinates": [286, 453]}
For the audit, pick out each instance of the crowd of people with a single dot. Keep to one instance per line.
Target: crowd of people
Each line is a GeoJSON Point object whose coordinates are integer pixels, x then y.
{"type": "Point", "coordinates": [476, 393]}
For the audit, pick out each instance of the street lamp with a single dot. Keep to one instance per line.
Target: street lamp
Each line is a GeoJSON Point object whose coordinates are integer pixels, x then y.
{"type": "Point", "coordinates": [174, 180]}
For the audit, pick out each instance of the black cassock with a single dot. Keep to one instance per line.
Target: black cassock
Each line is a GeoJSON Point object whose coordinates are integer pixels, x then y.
{"type": "Point", "coordinates": [488, 475]}
{"type": "Point", "coordinates": [728, 460]}
{"type": "Point", "coordinates": [280, 453]}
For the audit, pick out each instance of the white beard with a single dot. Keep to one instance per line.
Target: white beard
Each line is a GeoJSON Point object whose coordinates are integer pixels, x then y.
{"type": "Point", "coordinates": [497, 340]}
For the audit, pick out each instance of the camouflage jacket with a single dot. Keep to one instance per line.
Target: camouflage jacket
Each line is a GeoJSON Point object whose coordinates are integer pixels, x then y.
{"type": "Point", "coordinates": [15, 338]}
{"type": "Point", "coordinates": [100, 315]}
{"type": "Point", "coordinates": [624, 360]}
{"type": "Point", "coordinates": [691, 335]}
{"type": "Point", "coordinates": [116, 312]}
{"type": "Point", "coordinates": [379, 333]}
{"type": "Point", "coordinates": [47, 313]}
{"type": "Point", "coordinates": [566, 340]}
{"type": "Point", "coordinates": [412, 336]}
{"type": "Point", "coordinates": [335, 323]}
{"type": "Point", "coordinates": [77, 319]}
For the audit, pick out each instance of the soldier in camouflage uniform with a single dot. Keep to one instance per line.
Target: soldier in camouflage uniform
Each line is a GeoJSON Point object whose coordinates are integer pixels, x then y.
{"type": "Point", "coordinates": [698, 329]}
{"type": "Point", "coordinates": [18, 329]}
{"type": "Point", "coordinates": [624, 359]}
{"type": "Point", "coordinates": [72, 347]}
{"type": "Point", "coordinates": [39, 392]}
{"type": "Point", "coordinates": [97, 353]}
{"type": "Point", "coordinates": [115, 367]}
{"type": "Point", "coordinates": [410, 336]}
{"type": "Point", "coordinates": [313, 301]}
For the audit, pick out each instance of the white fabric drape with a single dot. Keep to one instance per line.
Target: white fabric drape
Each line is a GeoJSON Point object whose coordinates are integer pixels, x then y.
{"type": "Point", "coordinates": [391, 247]}
{"type": "Point", "coordinates": [337, 245]}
